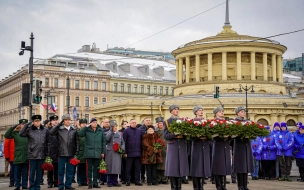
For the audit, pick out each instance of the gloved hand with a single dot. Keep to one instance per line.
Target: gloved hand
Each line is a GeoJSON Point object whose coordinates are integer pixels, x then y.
{"type": "Point", "coordinates": [255, 153]}
{"type": "Point", "coordinates": [61, 122]}
{"type": "Point", "coordinates": [283, 149]}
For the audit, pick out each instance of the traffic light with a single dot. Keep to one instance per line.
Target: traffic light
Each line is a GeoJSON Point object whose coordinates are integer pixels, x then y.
{"type": "Point", "coordinates": [216, 92]}
{"type": "Point", "coordinates": [36, 91]}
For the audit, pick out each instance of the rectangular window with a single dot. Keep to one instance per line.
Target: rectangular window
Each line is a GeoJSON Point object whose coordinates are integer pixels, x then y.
{"type": "Point", "coordinates": [56, 82]}
{"type": "Point", "coordinates": [167, 91]}
{"type": "Point", "coordinates": [142, 89]}
{"type": "Point", "coordinates": [104, 99]}
{"type": "Point", "coordinates": [129, 88]}
{"type": "Point", "coordinates": [87, 117]}
{"type": "Point", "coordinates": [87, 85]}
{"type": "Point", "coordinates": [135, 88]}
{"type": "Point", "coordinates": [104, 86]}
{"type": "Point", "coordinates": [148, 89]}
{"type": "Point", "coordinates": [122, 87]}
{"type": "Point", "coordinates": [51, 99]}
{"type": "Point", "coordinates": [172, 91]}
{"type": "Point", "coordinates": [77, 101]}
{"type": "Point", "coordinates": [161, 90]}
{"type": "Point", "coordinates": [95, 100]}
{"type": "Point", "coordinates": [95, 85]}
{"type": "Point", "coordinates": [87, 102]}
{"type": "Point", "coordinates": [115, 87]}
{"type": "Point", "coordinates": [77, 84]}
{"type": "Point", "coordinates": [155, 89]}
{"type": "Point", "coordinates": [46, 82]}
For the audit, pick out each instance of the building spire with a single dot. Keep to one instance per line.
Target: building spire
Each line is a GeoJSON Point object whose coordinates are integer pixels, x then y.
{"type": "Point", "coordinates": [227, 23]}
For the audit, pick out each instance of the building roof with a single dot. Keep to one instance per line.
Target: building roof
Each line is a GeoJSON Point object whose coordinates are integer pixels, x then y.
{"type": "Point", "coordinates": [124, 67]}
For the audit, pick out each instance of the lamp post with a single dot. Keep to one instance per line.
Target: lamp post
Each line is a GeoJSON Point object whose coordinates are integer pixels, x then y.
{"type": "Point", "coordinates": [246, 90]}
{"type": "Point", "coordinates": [68, 92]}
{"type": "Point", "coordinates": [46, 96]}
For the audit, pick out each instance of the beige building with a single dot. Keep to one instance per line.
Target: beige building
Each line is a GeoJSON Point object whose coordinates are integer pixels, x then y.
{"type": "Point", "coordinates": [227, 60]}
{"type": "Point", "coordinates": [88, 86]}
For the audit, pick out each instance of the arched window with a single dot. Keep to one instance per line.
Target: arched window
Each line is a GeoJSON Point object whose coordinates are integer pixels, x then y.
{"type": "Point", "coordinates": [291, 122]}
{"type": "Point", "coordinates": [263, 121]}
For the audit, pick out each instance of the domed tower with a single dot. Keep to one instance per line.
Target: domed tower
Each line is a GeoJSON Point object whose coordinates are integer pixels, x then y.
{"type": "Point", "coordinates": [228, 60]}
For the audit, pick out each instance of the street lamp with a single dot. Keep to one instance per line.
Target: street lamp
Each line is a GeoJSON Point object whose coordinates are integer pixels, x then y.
{"type": "Point", "coordinates": [46, 96]}
{"type": "Point", "coordinates": [68, 97]}
{"type": "Point", "coordinates": [246, 90]}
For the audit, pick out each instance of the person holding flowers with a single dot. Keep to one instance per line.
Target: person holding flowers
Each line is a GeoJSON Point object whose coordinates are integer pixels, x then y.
{"type": "Point", "coordinates": [151, 153]}
{"type": "Point", "coordinates": [20, 154]}
{"type": "Point", "coordinates": [242, 157]}
{"type": "Point", "coordinates": [68, 147]}
{"type": "Point", "coordinates": [221, 159]}
{"type": "Point", "coordinates": [95, 147]}
{"type": "Point", "coordinates": [81, 167]}
{"type": "Point", "coordinates": [177, 157]}
{"type": "Point", "coordinates": [257, 147]}
{"type": "Point", "coordinates": [200, 154]}
{"type": "Point", "coordinates": [299, 150]}
{"type": "Point", "coordinates": [284, 141]}
{"type": "Point", "coordinates": [268, 155]}
{"type": "Point", "coordinates": [115, 149]}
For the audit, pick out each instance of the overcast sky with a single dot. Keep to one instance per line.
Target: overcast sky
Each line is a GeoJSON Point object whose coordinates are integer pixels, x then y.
{"type": "Point", "coordinates": [63, 26]}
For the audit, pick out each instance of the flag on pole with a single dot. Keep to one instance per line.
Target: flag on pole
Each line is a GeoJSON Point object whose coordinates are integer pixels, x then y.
{"type": "Point", "coordinates": [44, 105]}
{"type": "Point", "coordinates": [53, 107]}
{"type": "Point", "coordinates": [75, 113]}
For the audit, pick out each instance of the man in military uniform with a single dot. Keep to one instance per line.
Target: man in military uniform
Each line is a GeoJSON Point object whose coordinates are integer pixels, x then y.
{"type": "Point", "coordinates": [177, 157]}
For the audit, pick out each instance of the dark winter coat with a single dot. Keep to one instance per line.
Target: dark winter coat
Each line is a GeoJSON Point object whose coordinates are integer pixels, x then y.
{"type": "Point", "coordinates": [53, 147]}
{"type": "Point", "coordinates": [221, 159]}
{"type": "Point", "coordinates": [161, 166]}
{"type": "Point", "coordinates": [20, 150]}
{"type": "Point", "coordinates": [200, 158]}
{"type": "Point", "coordinates": [95, 142]}
{"type": "Point", "coordinates": [148, 149]}
{"type": "Point", "coordinates": [133, 142]}
{"type": "Point", "coordinates": [80, 155]}
{"type": "Point", "coordinates": [68, 140]}
{"type": "Point", "coordinates": [143, 129]}
{"type": "Point", "coordinates": [37, 141]}
{"type": "Point", "coordinates": [177, 157]}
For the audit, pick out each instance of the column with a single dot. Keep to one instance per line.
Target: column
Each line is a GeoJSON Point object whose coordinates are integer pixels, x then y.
{"type": "Point", "coordinates": [279, 68]}
{"type": "Point", "coordinates": [187, 69]}
{"type": "Point", "coordinates": [177, 72]}
{"type": "Point", "coordinates": [197, 67]}
{"type": "Point", "coordinates": [282, 117]}
{"type": "Point", "coordinates": [301, 118]}
{"type": "Point", "coordinates": [238, 65]}
{"type": "Point", "coordinates": [265, 66]}
{"type": "Point", "coordinates": [224, 66]}
{"type": "Point", "coordinates": [273, 118]}
{"type": "Point", "coordinates": [274, 67]}
{"type": "Point", "coordinates": [252, 61]}
{"type": "Point", "coordinates": [252, 116]}
{"type": "Point", "coordinates": [180, 70]}
{"type": "Point", "coordinates": [209, 66]}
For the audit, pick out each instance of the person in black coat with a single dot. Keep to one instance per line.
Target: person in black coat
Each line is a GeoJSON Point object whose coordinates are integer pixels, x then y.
{"type": "Point", "coordinates": [242, 157]}
{"type": "Point", "coordinates": [52, 175]}
{"type": "Point", "coordinates": [221, 159]}
{"type": "Point", "coordinates": [144, 128]}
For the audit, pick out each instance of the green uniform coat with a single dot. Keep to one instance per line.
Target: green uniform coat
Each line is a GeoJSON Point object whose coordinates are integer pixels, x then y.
{"type": "Point", "coordinates": [80, 155]}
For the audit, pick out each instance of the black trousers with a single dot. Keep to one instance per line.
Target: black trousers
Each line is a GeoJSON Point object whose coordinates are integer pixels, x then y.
{"type": "Point", "coordinates": [123, 170]}
{"type": "Point", "coordinates": [52, 175]}
{"type": "Point", "coordinates": [285, 164]}
{"type": "Point", "coordinates": [151, 173]}
{"type": "Point", "coordinates": [142, 171]}
{"type": "Point", "coordinates": [268, 167]}
{"type": "Point", "coordinates": [136, 161]}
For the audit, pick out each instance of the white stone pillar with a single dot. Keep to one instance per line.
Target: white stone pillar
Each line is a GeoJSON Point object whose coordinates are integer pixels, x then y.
{"type": "Point", "coordinates": [252, 61]}
{"type": "Point", "coordinates": [238, 65]}
{"type": "Point", "coordinates": [181, 70]}
{"type": "Point", "coordinates": [177, 72]}
{"type": "Point", "coordinates": [197, 68]}
{"type": "Point", "coordinates": [187, 69]}
{"type": "Point", "coordinates": [209, 66]}
{"type": "Point", "coordinates": [274, 67]}
{"type": "Point", "coordinates": [265, 77]}
{"type": "Point", "coordinates": [224, 66]}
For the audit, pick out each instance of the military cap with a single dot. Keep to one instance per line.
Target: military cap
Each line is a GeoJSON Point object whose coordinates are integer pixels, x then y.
{"type": "Point", "coordinates": [53, 117]}
{"type": "Point", "coordinates": [23, 121]}
{"type": "Point", "coordinates": [196, 108]}
{"type": "Point", "coordinates": [238, 109]}
{"type": "Point", "coordinates": [36, 117]}
{"type": "Point", "coordinates": [113, 123]}
{"type": "Point", "coordinates": [83, 121]}
{"type": "Point", "coordinates": [159, 119]}
{"type": "Point", "coordinates": [172, 107]}
{"type": "Point", "coordinates": [217, 110]}
{"type": "Point", "coordinates": [66, 116]}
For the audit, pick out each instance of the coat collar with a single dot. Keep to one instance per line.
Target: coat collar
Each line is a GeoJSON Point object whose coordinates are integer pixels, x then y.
{"type": "Point", "coordinates": [35, 128]}
{"type": "Point", "coordinates": [71, 127]}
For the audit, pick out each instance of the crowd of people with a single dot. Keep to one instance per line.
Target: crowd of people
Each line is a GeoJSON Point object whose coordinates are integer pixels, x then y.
{"type": "Point", "coordinates": [136, 158]}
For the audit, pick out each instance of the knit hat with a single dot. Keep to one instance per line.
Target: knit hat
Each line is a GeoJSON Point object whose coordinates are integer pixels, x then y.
{"type": "Point", "coordinates": [23, 121]}
{"type": "Point", "coordinates": [113, 123]}
{"type": "Point", "coordinates": [172, 107]}
{"type": "Point", "coordinates": [283, 124]}
{"type": "Point", "coordinates": [83, 121]}
{"type": "Point", "coordinates": [93, 119]}
{"type": "Point", "coordinates": [159, 119]}
{"type": "Point", "coordinates": [299, 124]}
{"type": "Point", "coordinates": [238, 109]}
{"type": "Point", "coordinates": [196, 108]}
{"type": "Point", "coordinates": [217, 110]}
{"type": "Point", "coordinates": [301, 127]}
{"type": "Point", "coordinates": [267, 127]}
{"type": "Point", "coordinates": [276, 124]}
{"type": "Point", "coordinates": [66, 116]}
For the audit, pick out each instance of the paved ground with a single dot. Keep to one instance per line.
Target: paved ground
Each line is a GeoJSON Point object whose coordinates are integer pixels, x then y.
{"type": "Point", "coordinates": [253, 185]}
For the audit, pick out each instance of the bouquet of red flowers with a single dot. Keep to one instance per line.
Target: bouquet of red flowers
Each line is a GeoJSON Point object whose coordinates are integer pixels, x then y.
{"type": "Point", "coordinates": [74, 161]}
{"type": "Point", "coordinates": [47, 165]}
{"type": "Point", "coordinates": [102, 167]}
{"type": "Point", "coordinates": [158, 144]}
{"type": "Point", "coordinates": [117, 148]}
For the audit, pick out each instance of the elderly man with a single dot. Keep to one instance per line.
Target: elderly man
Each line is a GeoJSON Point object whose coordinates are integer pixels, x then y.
{"type": "Point", "coordinates": [37, 137]}
{"type": "Point", "coordinates": [95, 148]}
{"type": "Point", "coordinates": [242, 157]}
{"type": "Point", "coordinates": [177, 156]}
{"type": "Point", "coordinates": [68, 146]}
{"type": "Point", "coordinates": [20, 154]}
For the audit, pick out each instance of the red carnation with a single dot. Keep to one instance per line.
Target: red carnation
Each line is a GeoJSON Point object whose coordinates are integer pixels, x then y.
{"type": "Point", "coordinates": [196, 124]}
{"type": "Point", "coordinates": [227, 125]}
{"type": "Point", "coordinates": [102, 171]}
{"type": "Point", "coordinates": [267, 139]}
{"type": "Point", "coordinates": [252, 123]}
{"type": "Point", "coordinates": [281, 141]}
{"type": "Point", "coordinates": [182, 119]}
{"type": "Point", "coordinates": [191, 121]}
{"type": "Point", "coordinates": [116, 146]}
{"type": "Point", "coordinates": [255, 145]}
{"type": "Point", "coordinates": [74, 161]}
{"type": "Point", "coordinates": [238, 123]}
{"type": "Point", "coordinates": [221, 122]}
{"type": "Point", "coordinates": [247, 124]}
{"type": "Point", "coordinates": [211, 125]}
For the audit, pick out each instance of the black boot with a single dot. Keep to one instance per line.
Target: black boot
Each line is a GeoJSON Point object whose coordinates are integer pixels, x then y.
{"type": "Point", "coordinates": [239, 178]}
{"type": "Point", "coordinates": [217, 180]}
{"type": "Point", "coordinates": [201, 184]}
{"type": "Point", "coordinates": [173, 183]}
{"type": "Point", "coordinates": [196, 182]}
{"type": "Point", "coordinates": [224, 182]}
{"type": "Point", "coordinates": [179, 183]}
{"type": "Point", "coordinates": [245, 181]}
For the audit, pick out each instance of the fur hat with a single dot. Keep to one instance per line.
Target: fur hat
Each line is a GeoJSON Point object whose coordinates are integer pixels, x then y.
{"type": "Point", "coordinates": [66, 116]}
{"type": "Point", "coordinates": [172, 107]}
{"type": "Point", "coordinates": [54, 117]}
{"type": "Point", "coordinates": [238, 109]}
{"type": "Point", "coordinates": [36, 117]}
{"type": "Point", "coordinates": [159, 119]}
{"type": "Point", "coordinates": [196, 108]}
{"type": "Point", "coordinates": [113, 123]}
{"type": "Point", "coordinates": [217, 110]}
